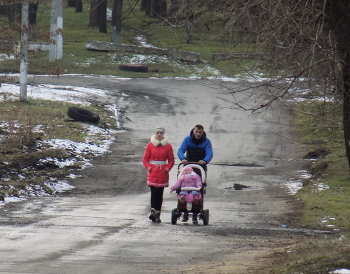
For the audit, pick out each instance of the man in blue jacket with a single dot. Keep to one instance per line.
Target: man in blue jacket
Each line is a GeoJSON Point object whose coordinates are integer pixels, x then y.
{"type": "Point", "coordinates": [197, 148]}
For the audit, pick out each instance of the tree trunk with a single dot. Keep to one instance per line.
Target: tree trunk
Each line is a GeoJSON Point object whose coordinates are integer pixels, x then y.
{"type": "Point", "coordinates": [24, 51]}
{"type": "Point", "coordinates": [173, 12]}
{"type": "Point", "coordinates": [143, 4]}
{"type": "Point", "coordinates": [155, 8]}
{"type": "Point", "coordinates": [163, 8]}
{"type": "Point", "coordinates": [78, 6]}
{"type": "Point", "coordinates": [71, 3]}
{"type": "Point", "coordinates": [33, 8]}
{"type": "Point", "coordinates": [189, 25]}
{"type": "Point", "coordinates": [93, 22]}
{"type": "Point", "coordinates": [147, 6]}
{"type": "Point", "coordinates": [346, 110]}
{"type": "Point", "coordinates": [116, 21]}
{"type": "Point", "coordinates": [14, 13]}
{"type": "Point", "coordinates": [98, 15]}
{"type": "Point", "coordinates": [102, 16]}
{"type": "Point", "coordinates": [190, 17]}
{"type": "Point", "coordinates": [339, 22]}
{"type": "Point", "coordinates": [4, 10]}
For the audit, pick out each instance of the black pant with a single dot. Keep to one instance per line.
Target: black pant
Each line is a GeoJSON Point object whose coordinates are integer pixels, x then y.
{"type": "Point", "coordinates": [157, 197]}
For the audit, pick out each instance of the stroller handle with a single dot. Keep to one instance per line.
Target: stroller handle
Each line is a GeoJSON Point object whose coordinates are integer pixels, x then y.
{"type": "Point", "coordinates": [189, 188]}
{"type": "Point", "coordinates": [188, 163]}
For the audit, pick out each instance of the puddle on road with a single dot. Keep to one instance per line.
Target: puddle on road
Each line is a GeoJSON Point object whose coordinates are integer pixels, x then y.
{"type": "Point", "coordinates": [236, 186]}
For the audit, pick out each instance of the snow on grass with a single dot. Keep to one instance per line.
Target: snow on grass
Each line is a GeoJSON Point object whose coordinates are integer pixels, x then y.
{"type": "Point", "coordinates": [97, 144]}
{"type": "Point", "coordinates": [340, 271]}
{"type": "Point", "coordinates": [70, 94]}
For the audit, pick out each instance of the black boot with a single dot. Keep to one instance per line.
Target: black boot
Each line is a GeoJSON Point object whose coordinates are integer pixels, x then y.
{"type": "Point", "coordinates": [194, 219]}
{"type": "Point", "coordinates": [153, 214]}
{"type": "Point", "coordinates": [158, 216]}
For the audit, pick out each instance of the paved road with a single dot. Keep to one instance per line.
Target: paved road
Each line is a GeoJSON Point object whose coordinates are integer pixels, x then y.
{"type": "Point", "coordinates": [102, 226]}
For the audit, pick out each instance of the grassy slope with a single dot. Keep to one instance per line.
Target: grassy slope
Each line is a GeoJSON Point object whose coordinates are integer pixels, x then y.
{"type": "Point", "coordinates": [325, 195]}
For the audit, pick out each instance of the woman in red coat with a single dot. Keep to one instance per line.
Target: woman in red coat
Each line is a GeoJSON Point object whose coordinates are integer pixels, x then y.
{"type": "Point", "coordinates": [158, 159]}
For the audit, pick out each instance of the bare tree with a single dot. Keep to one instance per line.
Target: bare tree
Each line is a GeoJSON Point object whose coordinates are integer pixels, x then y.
{"type": "Point", "coordinates": [306, 39]}
{"type": "Point", "coordinates": [93, 22]}
{"type": "Point", "coordinates": [155, 8]}
{"type": "Point", "coordinates": [102, 16]}
{"type": "Point", "coordinates": [4, 9]}
{"type": "Point", "coordinates": [98, 12]}
{"type": "Point", "coordinates": [78, 6]}
{"type": "Point", "coordinates": [33, 8]}
{"type": "Point", "coordinates": [14, 12]}
{"type": "Point", "coordinates": [71, 3]}
{"type": "Point", "coordinates": [146, 6]}
{"type": "Point", "coordinates": [190, 17]}
{"type": "Point", "coordinates": [116, 21]}
{"type": "Point", "coordinates": [173, 12]}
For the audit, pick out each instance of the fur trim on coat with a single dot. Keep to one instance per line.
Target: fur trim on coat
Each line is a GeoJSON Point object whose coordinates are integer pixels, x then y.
{"type": "Point", "coordinates": [156, 142]}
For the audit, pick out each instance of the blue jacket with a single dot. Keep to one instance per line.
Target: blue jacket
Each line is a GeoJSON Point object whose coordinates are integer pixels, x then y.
{"type": "Point", "coordinates": [195, 149]}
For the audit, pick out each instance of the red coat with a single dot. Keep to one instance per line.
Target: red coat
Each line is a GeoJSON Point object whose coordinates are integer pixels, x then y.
{"type": "Point", "coordinates": [161, 151]}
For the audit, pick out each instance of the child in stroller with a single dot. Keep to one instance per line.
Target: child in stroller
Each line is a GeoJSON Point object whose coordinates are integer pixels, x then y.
{"type": "Point", "coordinates": [191, 179]}
{"type": "Point", "coordinates": [190, 188]}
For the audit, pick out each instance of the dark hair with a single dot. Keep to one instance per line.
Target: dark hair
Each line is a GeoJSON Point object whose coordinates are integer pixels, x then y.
{"type": "Point", "coordinates": [200, 127]}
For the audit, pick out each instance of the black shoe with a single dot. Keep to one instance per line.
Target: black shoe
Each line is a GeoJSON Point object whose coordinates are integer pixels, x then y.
{"type": "Point", "coordinates": [153, 216]}
{"type": "Point", "coordinates": [185, 218]}
{"type": "Point", "coordinates": [195, 219]}
{"type": "Point", "coordinates": [158, 220]}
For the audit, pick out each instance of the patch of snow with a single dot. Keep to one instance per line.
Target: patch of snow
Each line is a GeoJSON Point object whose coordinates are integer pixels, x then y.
{"type": "Point", "coordinates": [59, 186]}
{"type": "Point", "coordinates": [4, 56]}
{"type": "Point", "coordinates": [327, 221]}
{"type": "Point", "coordinates": [79, 151]}
{"type": "Point", "coordinates": [294, 185]}
{"type": "Point", "coordinates": [142, 40]}
{"type": "Point", "coordinates": [70, 94]}
{"type": "Point", "coordinates": [73, 176]}
{"type": "Point", "coordinates": [340, 271]}
{"type": "Point", "coordinates": [13, 199]}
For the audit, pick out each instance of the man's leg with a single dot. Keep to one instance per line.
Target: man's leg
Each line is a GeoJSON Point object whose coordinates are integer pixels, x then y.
{"type": "Point", "coordinates": [185, 217]}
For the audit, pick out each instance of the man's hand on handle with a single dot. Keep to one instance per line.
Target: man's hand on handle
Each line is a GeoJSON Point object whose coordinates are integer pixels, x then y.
{"type": "Point", "coordinates": [184, 161]}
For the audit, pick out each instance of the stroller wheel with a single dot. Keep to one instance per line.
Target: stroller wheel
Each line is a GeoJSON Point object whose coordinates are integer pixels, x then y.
{"type": "Point", "coordinates": [206, 217]}
{"type": "Point", "coordinates": [174, 216]}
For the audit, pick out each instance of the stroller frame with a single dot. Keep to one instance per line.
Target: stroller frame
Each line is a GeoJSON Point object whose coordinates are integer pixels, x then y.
{"type": "Point", "coordinates": [197, 208]}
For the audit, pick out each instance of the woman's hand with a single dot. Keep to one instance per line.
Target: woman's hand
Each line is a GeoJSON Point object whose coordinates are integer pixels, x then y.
{"type": "Point", "coordinates": [149, 169]}
{"type": "Point", "coordinates": [171, 190]}
{"type": "Point", "coordinates": [167, 170]}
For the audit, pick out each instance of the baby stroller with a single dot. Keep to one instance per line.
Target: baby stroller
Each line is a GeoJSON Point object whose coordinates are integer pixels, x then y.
{"type": "Point", "coordinates": [194, 207]}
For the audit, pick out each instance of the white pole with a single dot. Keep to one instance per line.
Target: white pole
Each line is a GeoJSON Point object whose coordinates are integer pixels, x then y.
{"type": "Point", "coordinates": [59, 29]}
{"type": "Point", "coordinates": [56, 28]}
{"type": "Point", "coordinates": [53, 34]}
{"type": "Point", "coordinates": [24, 52]}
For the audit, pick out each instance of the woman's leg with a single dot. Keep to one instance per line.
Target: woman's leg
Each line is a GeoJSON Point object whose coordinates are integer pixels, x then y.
{"type": "Point", "coordinates": [157, 197]}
